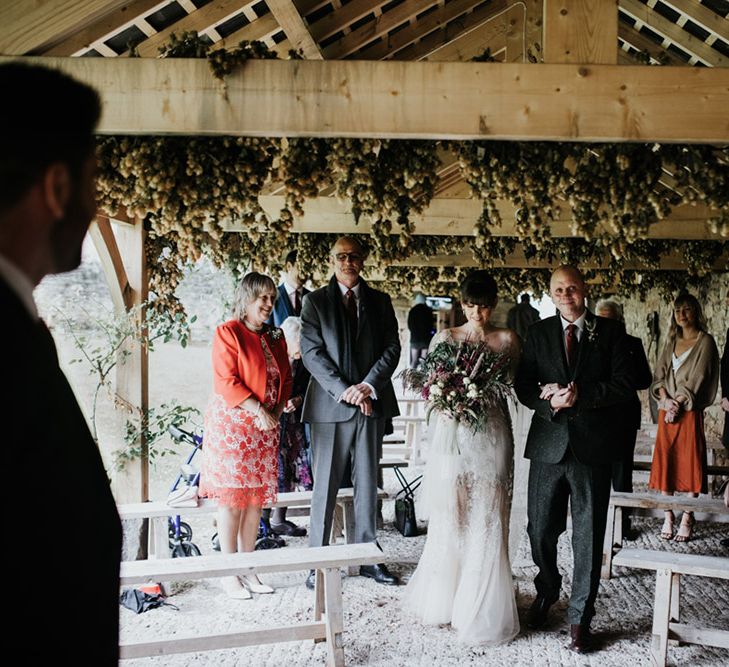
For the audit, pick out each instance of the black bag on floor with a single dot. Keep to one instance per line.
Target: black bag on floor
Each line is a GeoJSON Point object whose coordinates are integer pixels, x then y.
{"type": "Point", "coordinates": [405, 520]}
{"type": "Point", "coordinates": [139, 601]}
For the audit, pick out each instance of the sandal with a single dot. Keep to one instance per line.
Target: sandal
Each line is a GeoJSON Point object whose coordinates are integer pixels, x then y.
{"type": "Point", "coordinates": [685, 530]}
{"type": "Point", "coordinates": [667, 529]}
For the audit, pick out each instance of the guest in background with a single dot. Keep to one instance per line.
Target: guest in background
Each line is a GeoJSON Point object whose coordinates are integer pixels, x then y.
{"type": "Point", "coordinates": [684, 384]}
{"type": "Point", "coordinates": [294, 471]}
{"type": "Point", "coordinates": [622, 474]}
{"type": "Point", "coordinates": [251, 385]}
{"type": "Point", "coordinates": [420, 325]}
{"type": "Point", "coordinates": [291, 292]}
{"type": "Point", "coordinates": [522, 316]}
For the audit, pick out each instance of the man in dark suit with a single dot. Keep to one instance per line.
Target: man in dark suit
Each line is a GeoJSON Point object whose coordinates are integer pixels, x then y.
{"type": "Point", "coordinates": [291, 292]}
{"type": "Point", "coordinates": [350, 345]}
{"type": "Point", "coordinates": [63, 585]}
{"type": "Point", "coordinates": [575, 374]}
{"type": "Point", "coordinates": [623, 468]}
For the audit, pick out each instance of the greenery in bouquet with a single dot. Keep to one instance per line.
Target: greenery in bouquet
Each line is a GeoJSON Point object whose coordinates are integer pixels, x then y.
{"type": "Point", "coordinates": [461, 380]}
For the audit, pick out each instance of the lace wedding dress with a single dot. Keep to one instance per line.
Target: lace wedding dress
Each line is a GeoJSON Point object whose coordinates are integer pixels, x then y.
{"type": "Point", "coordinates": [464, 575]}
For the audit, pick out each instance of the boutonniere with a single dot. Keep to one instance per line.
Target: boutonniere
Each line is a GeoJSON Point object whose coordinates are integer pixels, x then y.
{"type": "Point", "coordinates": [591, 329]}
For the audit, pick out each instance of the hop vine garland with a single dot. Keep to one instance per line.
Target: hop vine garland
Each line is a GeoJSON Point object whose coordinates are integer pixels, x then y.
{"type": "Point", "coordinates": [188, 190]}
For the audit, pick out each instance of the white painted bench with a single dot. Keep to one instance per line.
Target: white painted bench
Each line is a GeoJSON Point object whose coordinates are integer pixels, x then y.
{"type": "Point", "coordinates": [669, 567]}
{"type": "Point", "coordinates": [328, 622]}
{"type": "Point", "coordinates": [712, 507]}
{"type": "Point", "coordinates": [158, 511]}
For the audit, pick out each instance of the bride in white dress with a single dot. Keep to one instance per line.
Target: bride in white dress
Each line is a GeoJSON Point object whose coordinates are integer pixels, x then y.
{"type": "Point", "coordinates": [464, 575]}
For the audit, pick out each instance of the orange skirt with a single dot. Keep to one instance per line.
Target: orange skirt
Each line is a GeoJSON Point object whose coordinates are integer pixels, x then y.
{"type": "Point", "coordinates": [679, 458]}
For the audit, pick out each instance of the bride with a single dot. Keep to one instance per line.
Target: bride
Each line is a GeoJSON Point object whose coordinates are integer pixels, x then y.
{"type": "Point", "coordinates": [464, 575]}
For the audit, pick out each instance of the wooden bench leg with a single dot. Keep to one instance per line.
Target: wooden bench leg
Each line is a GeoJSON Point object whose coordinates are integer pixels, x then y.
{"type": "Point", "coordinates": [319, 603]}
{"type": "Point", "coordinates": [334, 617]}
{"type": "Point", "coordinates": [348, 516]}
{"type": "Point", "coordinates": [607, 548]}
{"type": "Point", "coordinates": [675, 612]}
{"type": "Point", "coordinates": [338, 528]}
{"type": "Point", "coordinates": [661, 614]}
{"type": "Point", "coordinates": [618, 529]}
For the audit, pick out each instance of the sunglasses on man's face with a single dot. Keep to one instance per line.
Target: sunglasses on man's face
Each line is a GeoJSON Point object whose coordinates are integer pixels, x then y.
{"type": "Point", "coordinates": [351, 256]}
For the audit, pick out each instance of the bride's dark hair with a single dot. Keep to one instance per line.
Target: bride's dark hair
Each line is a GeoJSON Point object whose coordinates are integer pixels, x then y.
{"type": "Point", "coordinates": [479, 289]}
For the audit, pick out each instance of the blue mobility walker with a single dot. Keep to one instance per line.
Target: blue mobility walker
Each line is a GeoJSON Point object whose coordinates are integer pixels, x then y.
{"type": "Point", "coordinates": [180, 533]}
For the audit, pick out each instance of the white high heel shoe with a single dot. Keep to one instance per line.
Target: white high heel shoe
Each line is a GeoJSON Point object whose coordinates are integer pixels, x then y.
{"type": "Point", "coordinates": [255, 585]}
{"type": "Point", "coordinates": [234, 590]}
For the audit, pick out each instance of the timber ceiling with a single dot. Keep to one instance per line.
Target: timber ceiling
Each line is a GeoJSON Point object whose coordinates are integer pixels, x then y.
{"type": "Point", "coordinates": [676, 32]}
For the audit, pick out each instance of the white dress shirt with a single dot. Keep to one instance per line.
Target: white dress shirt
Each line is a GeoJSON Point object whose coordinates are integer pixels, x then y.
{"type": "Point", "coordinates": [20, 284]}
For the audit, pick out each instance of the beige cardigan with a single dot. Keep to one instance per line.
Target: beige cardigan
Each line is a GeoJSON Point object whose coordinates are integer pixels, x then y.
{"type": "Point", "coordinates": [696, 380]}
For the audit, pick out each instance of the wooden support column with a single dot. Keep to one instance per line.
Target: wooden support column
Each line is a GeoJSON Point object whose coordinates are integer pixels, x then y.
{"type": "Point", "coordinates": [132, 372]}
{"type": "Point", "coordinates": [121, 251]}
{"type": "Point", "coordinates": [581, 31]}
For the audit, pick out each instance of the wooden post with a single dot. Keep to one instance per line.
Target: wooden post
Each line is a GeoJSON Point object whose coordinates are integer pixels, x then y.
{"type": "Point", "coordinates": [132, 381]}
{"type": "Point", "coordinates": [581, 31]}
{"type": "Point", "coordinates": [661, 613]}
{"type": "Point", "coordinates": [333, 618]}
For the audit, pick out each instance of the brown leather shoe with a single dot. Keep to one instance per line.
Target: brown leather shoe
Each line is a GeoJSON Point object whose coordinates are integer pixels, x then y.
{"type": "Point", "coordinates": [581, 639]}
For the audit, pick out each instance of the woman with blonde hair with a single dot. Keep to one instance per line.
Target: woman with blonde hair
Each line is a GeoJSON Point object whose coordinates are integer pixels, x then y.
{"type": "Point", "coordinates": [684, 384]}
{"type": "Point", "coordinates": [251, 384]}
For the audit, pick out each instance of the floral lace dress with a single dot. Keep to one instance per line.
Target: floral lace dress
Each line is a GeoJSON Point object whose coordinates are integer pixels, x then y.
{"type": "Point", "coordinates": [464, 574]}
{"type": "Point", "coordinates": [240, 462]}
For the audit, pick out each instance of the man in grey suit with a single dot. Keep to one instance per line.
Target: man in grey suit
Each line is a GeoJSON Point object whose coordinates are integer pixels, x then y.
{"type": "Point", "coordinates": [350, 345]}
{"type": "Point", "coordinates": [575, 373]}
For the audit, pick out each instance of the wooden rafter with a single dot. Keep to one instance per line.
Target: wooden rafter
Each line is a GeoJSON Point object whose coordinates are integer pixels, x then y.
{"type": "Point", "coordinates": [26, 27]}
{"type": "Point", "coordinates": [201, 19]}
{"type": "Point", "coordinates": [356, 39]}
{"type": "Point", "coordinates": [293, 25]}
{"type": "Point", "coordinates": [388, 99]}
{"type": "Point", "coordinates": [642, 43]}
{"type": "Point", "coordinates": [714, 24]}
{"type": "Point", "coordinates": [435, 45]}
{"type": "Point", "coordinates": [673, 33]}
{"type": "Point", "coordinates": [350, 13]}
{"type": "Point", "coordinates": [434, 21]}
{"type": "Point", "coordinates": [105, 27]}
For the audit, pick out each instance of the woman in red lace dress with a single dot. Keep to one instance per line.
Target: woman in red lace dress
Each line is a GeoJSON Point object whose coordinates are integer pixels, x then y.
{"type": "Point", "coordinates": [251, 384]}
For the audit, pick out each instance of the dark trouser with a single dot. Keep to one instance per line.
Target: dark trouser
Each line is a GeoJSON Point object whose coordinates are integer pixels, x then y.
{"type": "Point", "coordinates": [587, 488]}
{"type": "Point", "coordinates": [622, 472]}
{"type": "Point", "coordinates": [333, 446]}
{"type": "Point", "coordinates": [416, 354]}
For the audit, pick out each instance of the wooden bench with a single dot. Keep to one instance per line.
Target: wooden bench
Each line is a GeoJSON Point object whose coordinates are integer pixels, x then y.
{"type": "Point", "coordinates": [414, 425]}
{"type": "Point", "coordinates": [713, 507]}
{"type": "Point", "coordinates": [643, 464]}
{"type": "Point", "coordinates": [328, 622]}
{"type": "Point", "coordinates": [669, 567]}
{"type": "Point", "coordinates": [158, 511]}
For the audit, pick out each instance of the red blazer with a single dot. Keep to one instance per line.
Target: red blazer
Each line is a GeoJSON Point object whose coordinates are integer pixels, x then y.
{"type": "Point", "coordinates": [239, 365]}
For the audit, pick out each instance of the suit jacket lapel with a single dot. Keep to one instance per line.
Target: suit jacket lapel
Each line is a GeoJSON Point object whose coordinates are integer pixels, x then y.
{"type": "Point", "coordinates": [583, 347]}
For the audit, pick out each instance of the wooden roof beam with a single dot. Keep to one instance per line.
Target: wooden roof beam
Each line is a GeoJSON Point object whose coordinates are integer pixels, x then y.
{"type": "Point", "coordinates": [293, 25]}
{"type": "Point", "coordinates": [349, 98]}
{"type": "Point", "coordinates": [458, 216]}
{"type": "Point", "coordinates": [581, 31]}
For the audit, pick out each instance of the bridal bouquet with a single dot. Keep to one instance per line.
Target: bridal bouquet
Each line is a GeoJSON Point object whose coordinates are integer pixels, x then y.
{"type": "Point", "coordinates": [461, 380]}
